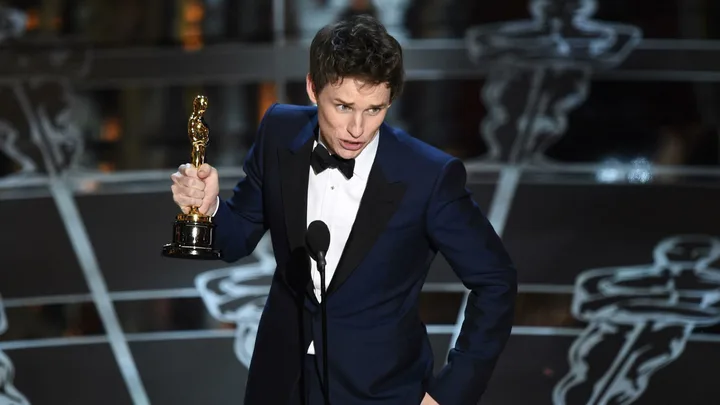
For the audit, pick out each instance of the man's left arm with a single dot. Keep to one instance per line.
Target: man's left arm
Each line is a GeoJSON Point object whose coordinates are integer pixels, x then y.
{"type": "Point", "coordinates": [460, 231]}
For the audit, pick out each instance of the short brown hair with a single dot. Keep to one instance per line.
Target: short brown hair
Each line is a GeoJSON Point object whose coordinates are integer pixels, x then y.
{"type": "Point", "coordinates": [357, 47]}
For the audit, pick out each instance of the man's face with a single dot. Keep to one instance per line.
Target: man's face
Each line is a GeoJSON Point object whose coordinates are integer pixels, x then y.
{"type": "Point", "coordinates": [349, 114]}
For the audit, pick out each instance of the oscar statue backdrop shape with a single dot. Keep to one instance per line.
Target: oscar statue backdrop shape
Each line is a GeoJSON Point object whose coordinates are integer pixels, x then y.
{"type": "Point", "coordinates": [193, 232]}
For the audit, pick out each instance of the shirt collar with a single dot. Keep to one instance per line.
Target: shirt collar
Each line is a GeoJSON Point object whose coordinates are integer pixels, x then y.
{"type": "Point", "coordinates": [364, 161]}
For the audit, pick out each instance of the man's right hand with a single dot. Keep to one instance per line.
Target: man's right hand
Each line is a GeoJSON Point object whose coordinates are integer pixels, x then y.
{"type": "Point", "coordinates": [196, 188]}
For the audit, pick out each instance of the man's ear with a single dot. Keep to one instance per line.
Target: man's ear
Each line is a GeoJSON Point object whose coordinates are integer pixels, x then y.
{"type": "Point", "coordinates": [310, 88]}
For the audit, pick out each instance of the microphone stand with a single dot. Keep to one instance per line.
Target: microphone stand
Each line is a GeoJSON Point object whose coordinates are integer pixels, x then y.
{"type": "Point", "coordinates": [323, 318]}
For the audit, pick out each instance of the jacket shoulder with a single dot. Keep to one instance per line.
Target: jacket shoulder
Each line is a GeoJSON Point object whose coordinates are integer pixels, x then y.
{"type": "Point", "coordinates": [282, 122]}
{"type": "Point", "coordinates": [422, 154]}
{"type": "Point", "coordinates": [284, 112]}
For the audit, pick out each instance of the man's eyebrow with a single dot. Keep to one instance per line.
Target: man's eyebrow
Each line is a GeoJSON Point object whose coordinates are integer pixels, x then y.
{"type": "Point", "coordinates": [374, 106]}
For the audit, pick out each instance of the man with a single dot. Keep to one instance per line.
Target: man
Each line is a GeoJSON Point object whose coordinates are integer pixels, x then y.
{"type": "Point", "coordinates": [391, 203]}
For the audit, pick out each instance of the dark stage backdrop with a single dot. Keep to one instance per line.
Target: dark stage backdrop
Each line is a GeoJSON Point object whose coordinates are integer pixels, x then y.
{"type": "Point", "coordinates": [593, 149]}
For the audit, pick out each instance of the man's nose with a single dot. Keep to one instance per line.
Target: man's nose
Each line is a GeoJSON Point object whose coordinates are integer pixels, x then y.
{"type": "Point", "coordinates": [356, 126]}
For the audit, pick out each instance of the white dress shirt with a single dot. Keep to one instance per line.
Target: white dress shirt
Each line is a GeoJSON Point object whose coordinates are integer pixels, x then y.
{"type": "Point", "coordinates": [335, 200]}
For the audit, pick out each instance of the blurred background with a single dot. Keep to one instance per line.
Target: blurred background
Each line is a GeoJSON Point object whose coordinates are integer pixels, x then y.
{"type": "Point", "coordinates": [589, 129]}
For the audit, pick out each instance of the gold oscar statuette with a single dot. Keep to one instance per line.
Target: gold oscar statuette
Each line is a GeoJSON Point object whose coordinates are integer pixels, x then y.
{"type": "Point", "coordinates": [193, 232]}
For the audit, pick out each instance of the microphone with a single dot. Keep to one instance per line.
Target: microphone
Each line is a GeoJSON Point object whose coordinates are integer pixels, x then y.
{"type": "Point", "coordinates": [317, 240]}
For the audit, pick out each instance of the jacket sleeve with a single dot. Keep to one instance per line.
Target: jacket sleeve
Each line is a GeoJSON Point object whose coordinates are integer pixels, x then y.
{"type": "Point", "coordinates": [240, 221]}
{"type": "Point", "coordinates": [460, 231]}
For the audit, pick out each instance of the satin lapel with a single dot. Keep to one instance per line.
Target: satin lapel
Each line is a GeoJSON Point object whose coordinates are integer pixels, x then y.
{"type": "Point", "coordinates": [294, 170]}
{"type": "Point", "coordinates": [294, 193]}
{"type": "Point", "coordinates": [379, 202]}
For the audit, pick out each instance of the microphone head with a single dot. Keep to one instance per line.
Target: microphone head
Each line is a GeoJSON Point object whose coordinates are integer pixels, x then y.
{"type": "Point", "coordinates": [317, 238]}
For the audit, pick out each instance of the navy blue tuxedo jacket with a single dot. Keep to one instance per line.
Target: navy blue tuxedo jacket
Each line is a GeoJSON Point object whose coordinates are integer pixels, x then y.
{"type": "Point", "coordinates": [415, 204]}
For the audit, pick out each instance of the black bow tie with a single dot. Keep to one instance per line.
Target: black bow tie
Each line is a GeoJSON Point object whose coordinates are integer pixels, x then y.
{"type": "Point", "coordinates": [321, 160]}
